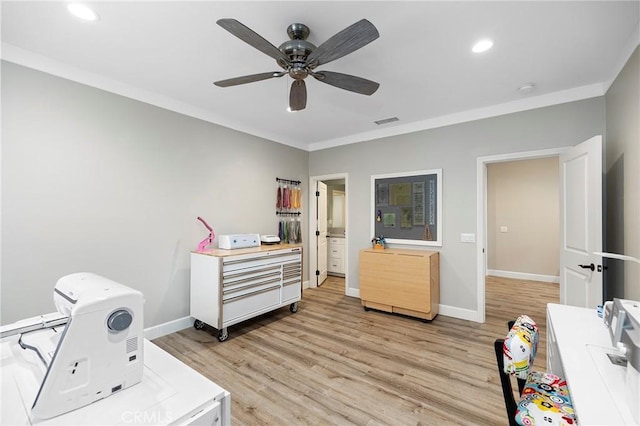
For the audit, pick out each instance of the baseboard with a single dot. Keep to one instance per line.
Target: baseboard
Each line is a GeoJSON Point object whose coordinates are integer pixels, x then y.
{"type": "Point", "coordinates": [524, 276]}
{"type": "Point", "coordinates": [167, 328]}
{"type": "Point", "coordinates": [305, 284]}
{"type": "Point", "coordinates": [460, 313]}
{"type": "Point", "coordinates": [353, 292]}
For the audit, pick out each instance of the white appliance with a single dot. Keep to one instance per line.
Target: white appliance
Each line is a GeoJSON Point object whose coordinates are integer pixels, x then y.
{"type": "Point", "coordinates": [269, 239]}
{"type": "Point", "coordinates": [238, 241]}
{"type": "Point", "coordinates": [80, 365]}
{"type": "Point", "coordinates": [97, 353]}
{"type": "Point", "coordinates": [622, 318]}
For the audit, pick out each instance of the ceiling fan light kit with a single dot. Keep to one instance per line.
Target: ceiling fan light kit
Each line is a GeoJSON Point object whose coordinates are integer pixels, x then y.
{"type": "Point", "coordinates": [299, 58]}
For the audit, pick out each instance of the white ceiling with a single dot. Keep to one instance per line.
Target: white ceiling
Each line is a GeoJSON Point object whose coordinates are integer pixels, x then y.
{"type": "Point", "coordinates": [169, 53]}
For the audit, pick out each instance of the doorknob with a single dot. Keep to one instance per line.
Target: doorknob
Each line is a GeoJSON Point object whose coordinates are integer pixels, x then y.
{"type": "Point", "coordinates": [591, 266]}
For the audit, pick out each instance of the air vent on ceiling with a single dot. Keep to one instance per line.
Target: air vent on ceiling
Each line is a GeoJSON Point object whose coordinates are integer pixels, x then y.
{"type": "Point", "coordinates": [387, 120]}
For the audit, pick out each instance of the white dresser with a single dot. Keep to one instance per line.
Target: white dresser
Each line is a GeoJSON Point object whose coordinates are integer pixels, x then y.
{"type": "Point", "coordinates": [230, 286]}
{"type": "Point", "coordinates": [335, 256]}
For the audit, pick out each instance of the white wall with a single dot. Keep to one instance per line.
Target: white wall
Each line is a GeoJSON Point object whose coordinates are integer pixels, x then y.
{"type": "Point", "coordinates": [455, 150]}
{"type": "Point", "coordinates": [524, 197]}
{"type": "Point", "coordinates": [622, 169]}
{"type": "Point", "coordinates": [96, 182]}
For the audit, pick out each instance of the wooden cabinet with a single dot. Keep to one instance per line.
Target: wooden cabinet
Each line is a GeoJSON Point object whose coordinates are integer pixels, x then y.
{"type": "Point", "coordinates": [401, 281]}
{"type": "Point", "coordinates": [230, 286]}
{"type": "Point", "coordinates": [335, 256]}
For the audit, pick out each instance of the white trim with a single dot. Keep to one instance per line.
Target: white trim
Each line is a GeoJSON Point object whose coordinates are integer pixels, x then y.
{"type": "Point", "coordinates": [353, 292]}
{"type": "Point", "coordinates": [533, 102]}
{"type": "Point", "coordinates": [460, 313]}
{"type": "Point", "coordinates": [168, 328]}
{"type": "Point", "coordinates": [313, 208]}
{"type": "Point", "coordinates": [524, 276]}
{"type": "Point", "coordinates": [481, 212]}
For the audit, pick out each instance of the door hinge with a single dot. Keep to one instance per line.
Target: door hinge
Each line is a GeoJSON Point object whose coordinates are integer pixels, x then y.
{"type": "Point", "coordinates": [317, 193]}
{"type": "Point", "coordinates": [317, 273]}
{"type": "Point", "coordinates": [317, 233]}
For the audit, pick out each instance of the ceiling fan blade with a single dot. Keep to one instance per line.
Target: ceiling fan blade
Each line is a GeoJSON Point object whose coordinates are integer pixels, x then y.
{"type": "Point", "coordinates": [252, 38]}
{"type": "Point", "coordinates": [346, 41]}
{"type": "Point", "coordinates": [248, 79]}
{"type": "Point", "coordinates": [298, 95]}
{"type": "Point", "coordinates": [347, 82]}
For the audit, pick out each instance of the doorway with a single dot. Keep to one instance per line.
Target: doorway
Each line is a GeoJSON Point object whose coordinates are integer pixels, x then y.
{"type": "Point", "coordinates": [336, 219]}
{"type": "Point", "coordinates": [482, 213]}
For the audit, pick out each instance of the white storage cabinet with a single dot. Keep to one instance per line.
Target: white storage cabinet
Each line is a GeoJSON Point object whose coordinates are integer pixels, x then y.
{"type": "Point", "coordinates": [335, 264]}
{"type": "Point", "coordinates": [230, 286]}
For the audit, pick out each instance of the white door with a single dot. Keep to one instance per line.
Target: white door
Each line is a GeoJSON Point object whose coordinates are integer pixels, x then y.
{"type": "Point", "coordinates": [321, 232]}
{"type": "Point", "coordinates": [581, 224]}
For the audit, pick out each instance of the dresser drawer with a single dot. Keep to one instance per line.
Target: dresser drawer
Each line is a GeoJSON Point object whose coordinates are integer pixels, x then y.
{"type": "Point", "coordinates": [335, 251]}
{"type": "Point", "coordinates": [335, 241]}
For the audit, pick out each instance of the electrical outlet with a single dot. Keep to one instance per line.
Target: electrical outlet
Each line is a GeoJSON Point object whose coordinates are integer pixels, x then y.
{"type": "Point", "coordinates": [467, 238]}
{"type": "Point", "coordinates": [504, 229]}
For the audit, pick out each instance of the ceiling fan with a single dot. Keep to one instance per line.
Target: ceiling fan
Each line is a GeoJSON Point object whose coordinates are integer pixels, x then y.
{"type": "Point", "coordinates": [298, 58]}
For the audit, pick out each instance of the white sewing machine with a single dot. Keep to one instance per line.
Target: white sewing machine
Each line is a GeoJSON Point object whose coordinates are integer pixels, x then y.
{"type": "Point", "coordinates": [90, 364]}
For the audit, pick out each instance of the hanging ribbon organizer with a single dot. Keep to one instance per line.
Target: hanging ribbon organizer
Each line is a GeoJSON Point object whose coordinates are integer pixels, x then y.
{"type": "Point", "coordinates": [288, 210]}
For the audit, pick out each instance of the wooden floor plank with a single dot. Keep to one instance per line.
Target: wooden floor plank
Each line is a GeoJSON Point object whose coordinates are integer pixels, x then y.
{"type": "Point", "coordinates": [332, 363]}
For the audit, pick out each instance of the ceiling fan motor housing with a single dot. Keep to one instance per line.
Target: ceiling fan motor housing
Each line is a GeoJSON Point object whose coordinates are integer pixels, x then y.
{"type": "Point", "coordinates": [297, 49]}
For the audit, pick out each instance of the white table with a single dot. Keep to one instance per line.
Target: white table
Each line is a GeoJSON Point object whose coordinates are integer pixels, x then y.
{"type": "Point", "coordinates": [577, 347]}
{"type": "Point", "coordinates": [170, 393]}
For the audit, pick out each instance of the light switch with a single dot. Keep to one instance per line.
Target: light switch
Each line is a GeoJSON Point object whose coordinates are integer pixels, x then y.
{"type": "Point", "coordinates": [467, 238]}
{"type": "Point", "coordinates": [503, 229]}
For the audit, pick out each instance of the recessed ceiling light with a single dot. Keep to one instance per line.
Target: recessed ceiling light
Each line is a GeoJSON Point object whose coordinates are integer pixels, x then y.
{"type": "Point", "coordinates": [82, 11]}
{"type": "Point", "coordinates": [482, 46]}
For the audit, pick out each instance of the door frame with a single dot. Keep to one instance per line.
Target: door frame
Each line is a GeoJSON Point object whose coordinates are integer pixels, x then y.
{"type": "Point", "coordinates": [313, 205]}
{"type": "Point", "coordinates": [481, 215]}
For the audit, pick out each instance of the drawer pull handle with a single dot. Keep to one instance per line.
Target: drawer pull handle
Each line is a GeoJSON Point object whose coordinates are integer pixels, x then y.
{"type": "Point", "coordinates": [227, 283]}
{"type": "Point", "coordinates": [252, 259]}
{"type": "Point", "coordinates": [239, 272]}
{"type": "Point", "coordinates": [244, 296]}
{"type": "Point", "coordinates": [235, 290]}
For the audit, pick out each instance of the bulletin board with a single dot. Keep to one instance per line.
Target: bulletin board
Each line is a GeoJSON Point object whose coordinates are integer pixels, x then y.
{"type": "Point", "coordinates": [407, 207]}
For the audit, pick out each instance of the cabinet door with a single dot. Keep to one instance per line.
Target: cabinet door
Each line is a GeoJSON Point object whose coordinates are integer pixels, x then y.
{"type": "Point", "coordinates": [395, 279]}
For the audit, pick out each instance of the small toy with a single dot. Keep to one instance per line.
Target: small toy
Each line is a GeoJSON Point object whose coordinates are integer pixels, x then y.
{"type": "Point", "coordinates": [207, 243]}
{"type": "Point", "coordinates": [379, 243]}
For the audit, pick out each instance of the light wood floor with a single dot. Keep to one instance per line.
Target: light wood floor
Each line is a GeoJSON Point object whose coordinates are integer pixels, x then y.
{"type": "Point", "coordinates": [332, 363]}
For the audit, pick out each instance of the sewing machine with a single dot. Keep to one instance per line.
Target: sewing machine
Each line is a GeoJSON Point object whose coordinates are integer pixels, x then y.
{"type": "Point", "coordinates": [622, 318]}
{"type": "Point", "coordinates": [89, 363]}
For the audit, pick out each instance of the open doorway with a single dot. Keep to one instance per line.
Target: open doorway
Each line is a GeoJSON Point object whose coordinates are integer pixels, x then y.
{"type": "Point", "coordinates": [335, 220]}
{"type": "Point", "coordinates": [485, 222]}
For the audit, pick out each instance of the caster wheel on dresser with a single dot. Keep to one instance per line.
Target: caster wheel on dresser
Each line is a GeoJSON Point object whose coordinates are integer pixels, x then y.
{"type": "Point", "coordinates": [223, 335]}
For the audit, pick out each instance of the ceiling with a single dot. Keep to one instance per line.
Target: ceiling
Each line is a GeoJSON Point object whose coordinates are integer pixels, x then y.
{"type": "Point", "coordinates": [169, 54]}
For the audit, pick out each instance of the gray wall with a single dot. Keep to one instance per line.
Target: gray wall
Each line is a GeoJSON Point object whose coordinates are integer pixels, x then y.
{"type": "Point", "coordinates": [455, 149]}
{"type": "Point", "coordinates": [622, 171]}
{"type": "Point", "coordinates": [97, 182]}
